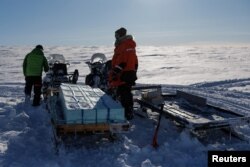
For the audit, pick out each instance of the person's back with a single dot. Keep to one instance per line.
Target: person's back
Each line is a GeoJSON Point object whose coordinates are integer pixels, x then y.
{"type": "Point", "coordinates": [33, 66]}
{"type": "Point", "coordinates": [34, 63]}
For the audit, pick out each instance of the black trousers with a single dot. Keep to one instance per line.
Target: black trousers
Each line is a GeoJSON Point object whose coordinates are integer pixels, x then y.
{"type": "Point", "coordinates": [126, 98]}
{"type": "Point", "coordinates": [36, 82]}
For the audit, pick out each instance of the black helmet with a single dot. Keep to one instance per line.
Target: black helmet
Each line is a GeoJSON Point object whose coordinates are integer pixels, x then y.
{"type": "Point", "coordinates": [39, 47]}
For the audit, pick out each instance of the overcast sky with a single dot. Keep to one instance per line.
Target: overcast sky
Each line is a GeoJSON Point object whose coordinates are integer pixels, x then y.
{"type": "Point", "coordinates": [151, 22]}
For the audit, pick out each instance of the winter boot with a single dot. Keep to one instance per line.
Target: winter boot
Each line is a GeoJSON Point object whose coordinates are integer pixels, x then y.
{"type": "Point", "coordinates": [27, 99]}
{"type": "Point", "coordinates": [129, 114]}
{"type": "Point", "coordinates": [36, 101]}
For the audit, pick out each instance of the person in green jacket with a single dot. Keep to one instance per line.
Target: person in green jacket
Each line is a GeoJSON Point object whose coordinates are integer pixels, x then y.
{"type": "Point", "coordinates": [33, 65]}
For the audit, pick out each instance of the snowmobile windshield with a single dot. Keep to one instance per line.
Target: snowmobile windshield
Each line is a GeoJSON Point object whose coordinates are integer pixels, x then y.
{"type": "Point", "coordinates": [56, 58]}
{"type": "Point", "coordinates": [98, 57]}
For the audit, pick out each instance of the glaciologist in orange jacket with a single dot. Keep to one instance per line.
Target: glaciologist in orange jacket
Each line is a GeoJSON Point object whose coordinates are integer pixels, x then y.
{"type": "Point", "coordinates": [124, 68]}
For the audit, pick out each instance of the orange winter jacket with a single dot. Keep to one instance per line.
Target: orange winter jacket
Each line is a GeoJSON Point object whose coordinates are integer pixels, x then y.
{"type": "Point", "coordinates": [124, 63]}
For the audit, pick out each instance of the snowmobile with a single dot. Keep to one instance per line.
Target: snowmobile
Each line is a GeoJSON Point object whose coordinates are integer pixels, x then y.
{"type": "Point", "coordinates": [58, 73]}
{"type": "Point", "coordinates": [99, 68]}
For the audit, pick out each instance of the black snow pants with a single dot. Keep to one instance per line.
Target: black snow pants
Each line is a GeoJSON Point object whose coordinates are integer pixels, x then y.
{"type": "Point", "coordinates": [126, 99]}
{"type": "Point", "coordinates": [36, 82]}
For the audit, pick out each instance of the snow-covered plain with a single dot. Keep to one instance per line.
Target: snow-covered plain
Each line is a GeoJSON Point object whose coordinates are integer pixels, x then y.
{"type": "Point", "coordinates": [219, 73]}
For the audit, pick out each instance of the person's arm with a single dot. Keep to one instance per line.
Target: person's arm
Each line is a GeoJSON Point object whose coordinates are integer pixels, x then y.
{"type": "Point", "coordinates": [25, 65]}
{"type": "Point", "coordinates": [45, 65]}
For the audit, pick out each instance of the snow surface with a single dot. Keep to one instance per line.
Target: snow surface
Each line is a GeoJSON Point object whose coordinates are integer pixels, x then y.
{"type": "Point", "coordinates": [219, 73]}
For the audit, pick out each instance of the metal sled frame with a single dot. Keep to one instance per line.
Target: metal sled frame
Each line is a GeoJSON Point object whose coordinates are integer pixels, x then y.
{"type": "Point", "coordinates": [193, 121]}
{"type": "Point", "coordinates": [193, 112]}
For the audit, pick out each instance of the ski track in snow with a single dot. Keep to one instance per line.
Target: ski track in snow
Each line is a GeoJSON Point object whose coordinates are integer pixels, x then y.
{"type": "Point", "coordinates": [25, 131]}
{"type": "Point", "coordinates": [222, 94]}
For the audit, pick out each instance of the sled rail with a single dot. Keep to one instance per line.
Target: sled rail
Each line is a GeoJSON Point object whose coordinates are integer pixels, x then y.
{"type": "Point", "coordinates": [200, 101]}
{"type": "Point", "coordinates": [146, 87]}
{"type": "Point", "coordinates": [64, 129]}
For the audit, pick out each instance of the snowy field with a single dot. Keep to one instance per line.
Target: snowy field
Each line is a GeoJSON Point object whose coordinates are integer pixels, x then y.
{"type": "Point", "coordinates": [219, 73]}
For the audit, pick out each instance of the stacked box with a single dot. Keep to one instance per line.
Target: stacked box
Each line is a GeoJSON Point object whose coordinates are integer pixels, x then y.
{"type": "Point", "coordinates": [75, 105]}
{"type": "Point", "coordinates": [116, 111]}
{"type": "Point", "coordinates": [102, 112]}
{"type": "Point", "coordinates": [85, 105]}
{"type": "Point", "coordinates": [69, 104]}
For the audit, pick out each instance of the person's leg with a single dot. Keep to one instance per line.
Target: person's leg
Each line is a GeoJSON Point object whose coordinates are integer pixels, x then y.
{"type": "Point", "coordinates": [28, 86]}
{"type": "Point", "coordinates": [126, 98]}
{"type": "Point", "coordinates": [37, 90]}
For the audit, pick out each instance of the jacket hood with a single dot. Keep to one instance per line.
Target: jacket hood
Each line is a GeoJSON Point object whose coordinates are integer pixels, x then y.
{"type": "Point", "coordinates": [128, 39]}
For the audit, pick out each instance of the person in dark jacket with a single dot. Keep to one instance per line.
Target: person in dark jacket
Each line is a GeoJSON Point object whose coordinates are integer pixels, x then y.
{"type": "Point", "coordinates": [33, 65]}
{"type": "Point", "coordinates": [124, 67]}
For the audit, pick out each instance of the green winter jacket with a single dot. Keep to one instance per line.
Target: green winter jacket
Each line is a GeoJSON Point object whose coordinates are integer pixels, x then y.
{"type": "Point", "coordinates": [34, 63]}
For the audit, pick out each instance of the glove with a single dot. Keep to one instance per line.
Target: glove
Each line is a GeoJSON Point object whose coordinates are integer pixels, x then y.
{"type": "Point", "coordinates": [129, 77]}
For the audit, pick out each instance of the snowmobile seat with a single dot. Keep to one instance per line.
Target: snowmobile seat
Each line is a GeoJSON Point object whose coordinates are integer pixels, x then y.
{"type": "Point", "coordinates": [60, 69]}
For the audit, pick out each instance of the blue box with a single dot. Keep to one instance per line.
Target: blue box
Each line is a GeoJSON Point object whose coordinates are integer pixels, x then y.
{"type": "Point", "coordinates": [116, 111]}
{"type": "Point", "coordinates": [101, 112]}
{"type": "Point", "coordinates": [85, 105]}
{"type": "Point", "coordinates": [72, 113]}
